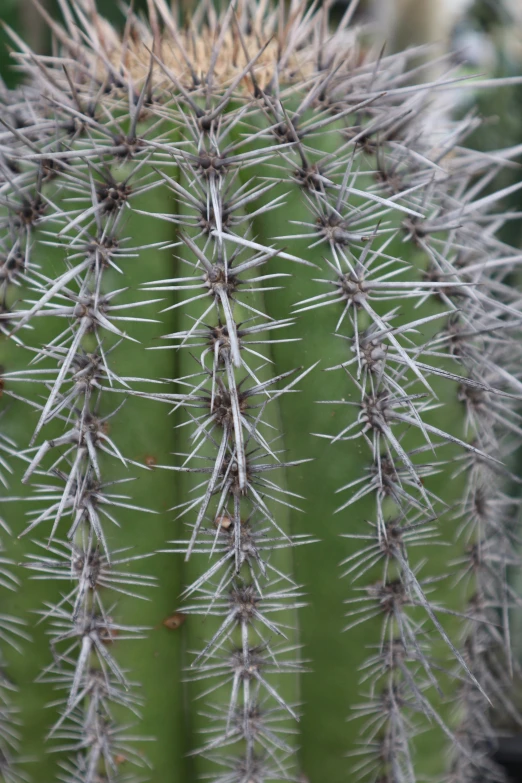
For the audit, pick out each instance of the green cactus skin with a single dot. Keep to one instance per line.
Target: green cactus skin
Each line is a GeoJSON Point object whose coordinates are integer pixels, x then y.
{"type": "Point", "coordinates": [256, 324]}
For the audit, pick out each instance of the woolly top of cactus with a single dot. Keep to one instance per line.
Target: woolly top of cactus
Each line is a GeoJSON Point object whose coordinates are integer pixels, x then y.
{"type": "Point", "coordinates": [250, 45]}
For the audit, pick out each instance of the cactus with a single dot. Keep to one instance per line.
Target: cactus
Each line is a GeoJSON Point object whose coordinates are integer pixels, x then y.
{"type": "Point", "coordinates": [256, 323]}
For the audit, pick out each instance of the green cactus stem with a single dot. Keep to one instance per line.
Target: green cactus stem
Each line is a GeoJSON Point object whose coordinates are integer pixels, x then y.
{"type": "Point", "coordinates": [258, 333]}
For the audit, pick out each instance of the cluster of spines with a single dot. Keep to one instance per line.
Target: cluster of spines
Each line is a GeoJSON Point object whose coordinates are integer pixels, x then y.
{"type": "Point", "coordinates": [484, 337]}
{"type": "Point", "coordinates": [420, 191]}
{"type": "Point", "coordinates": [64, 189]}
{"type": "Point", "coordinates": [12, 633]}
{"type": "Point", "coordinates": [234, 510]}
{"type": "Point", "coordinates": [233, 449]}
{"type": "Point", "coordinates": [428, 192]}
{"type": "Point", "coordinates": [463, 268]}
{"type": "Point", "coordinates": [11, 628]}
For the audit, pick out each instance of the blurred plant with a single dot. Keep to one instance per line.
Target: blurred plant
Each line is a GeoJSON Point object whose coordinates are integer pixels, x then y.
{"type": "Point", "coordinates": [406, 23]}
